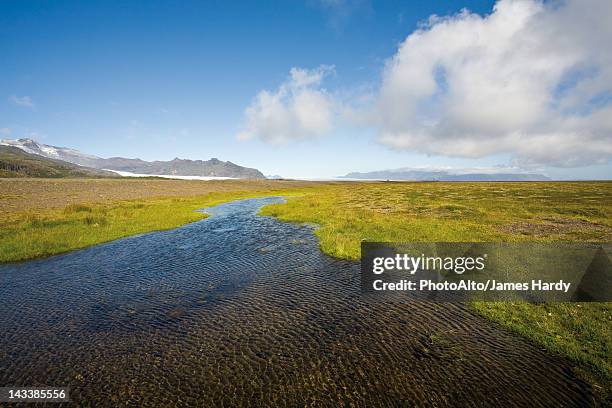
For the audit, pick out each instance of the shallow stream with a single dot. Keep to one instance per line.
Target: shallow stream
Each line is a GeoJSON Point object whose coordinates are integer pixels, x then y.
{"type": "Point", "coordinates": [240, 309]}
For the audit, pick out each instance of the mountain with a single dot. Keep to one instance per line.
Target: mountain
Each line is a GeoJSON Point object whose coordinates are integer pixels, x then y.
{"type": "Point", "coordinates": [176, 167]}
{"type": "Point", "coordinates": [52, 152]}
{"type": "Point", "coordinates": [180, 167]}
{"type": "Point", "coordinates": [15, 162]}
{"type": "Point", "coordinates": [444, 175]}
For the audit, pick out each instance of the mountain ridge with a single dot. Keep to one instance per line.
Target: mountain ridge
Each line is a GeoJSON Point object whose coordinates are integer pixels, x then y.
{"type": "Point", "coordinates": [409, 174]}
{"type": "Point", "coordinates": [178, 167]}
{"type": "Point", "coordinates": [15, 162]}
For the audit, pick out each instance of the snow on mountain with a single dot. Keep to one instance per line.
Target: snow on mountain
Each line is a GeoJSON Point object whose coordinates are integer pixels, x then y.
{"type": "Point", "coordinates": [52, 152]}
{"type": "Point", "coordinates": [213, 168]}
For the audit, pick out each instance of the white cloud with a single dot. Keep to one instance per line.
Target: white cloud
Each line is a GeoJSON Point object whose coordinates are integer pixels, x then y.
{"type": "Point", "coordinates": [300, 108]}
{"type": "Point", "coordinates": [24, 101]}
{"type": "Point", "coordinates": [531, 79]}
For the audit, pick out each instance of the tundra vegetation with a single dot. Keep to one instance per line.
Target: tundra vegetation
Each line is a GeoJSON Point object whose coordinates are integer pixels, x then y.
{"type": "Point", "coordinates": [485, 212]}
{"type": "Point", "coordinates": [44, 217]}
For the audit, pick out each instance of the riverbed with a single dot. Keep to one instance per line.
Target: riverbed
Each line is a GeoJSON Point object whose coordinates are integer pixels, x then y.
{"type": "Point", "coordinates": [240, 309]}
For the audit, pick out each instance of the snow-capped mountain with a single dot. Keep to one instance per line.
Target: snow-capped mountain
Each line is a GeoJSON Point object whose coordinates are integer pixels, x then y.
{"type": "Point", "coordinates": [52, 152]}
{"type": "Point", "coordinates": [177, 167]}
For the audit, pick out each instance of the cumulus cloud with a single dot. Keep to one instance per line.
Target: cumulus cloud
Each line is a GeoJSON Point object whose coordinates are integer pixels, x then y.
{"type": "Point", "coordinates": [24, 101]}
{"type": "Point", "coordinates": [300, 108]}
{"type": "Point", "coordinates": [531, 79]}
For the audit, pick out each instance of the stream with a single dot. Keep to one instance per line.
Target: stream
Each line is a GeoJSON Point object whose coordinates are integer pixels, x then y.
{"type": "Point", "coordinates": [241, 309]}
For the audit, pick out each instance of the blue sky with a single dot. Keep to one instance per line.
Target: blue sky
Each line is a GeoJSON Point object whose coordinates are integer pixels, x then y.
{"type": "Point", "coordinates": [158, 80]}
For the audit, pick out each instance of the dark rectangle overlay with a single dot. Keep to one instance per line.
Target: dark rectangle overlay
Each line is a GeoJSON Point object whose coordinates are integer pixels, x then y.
{"type": "Point", "coordinates": [509, 271]}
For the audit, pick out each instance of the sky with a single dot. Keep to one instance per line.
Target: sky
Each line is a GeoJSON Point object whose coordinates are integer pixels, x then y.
{"type": "Point", "coordinates": [316, 88]}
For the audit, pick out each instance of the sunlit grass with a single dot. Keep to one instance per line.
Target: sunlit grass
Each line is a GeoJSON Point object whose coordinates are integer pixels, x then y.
{"type": "Point", "coordinates": [486, 212]}
{"type": "Point", "coordinates": [32, 234]}
{"type": "Point", "coordinates": [411, 212]}
{"type": "Point", "coordinates": [350, 212]}
{"type": "Point", "coordinates": [580, 331]}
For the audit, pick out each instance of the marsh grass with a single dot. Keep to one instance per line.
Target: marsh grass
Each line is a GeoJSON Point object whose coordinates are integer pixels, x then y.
{"type": "Point", "coordinates": [76, 208]}
{"type": "Point", "coordinates": [580, 331]}
{"type": "Point", "coordinates": [410, 212]}
{"type": "Point", "coordinates": [485, 212]}
{"type": "Point", "coordinates": [346, 213]}
{"type": "Point", "coordinates": [33, 234]}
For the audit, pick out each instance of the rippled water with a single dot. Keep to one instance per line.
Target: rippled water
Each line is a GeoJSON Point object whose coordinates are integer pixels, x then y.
{"type": "Point", "coordinates": [240, 309]}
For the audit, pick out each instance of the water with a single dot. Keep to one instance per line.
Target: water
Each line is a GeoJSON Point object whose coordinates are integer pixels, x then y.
{"type": "Point", "coordinates": [240, 309]}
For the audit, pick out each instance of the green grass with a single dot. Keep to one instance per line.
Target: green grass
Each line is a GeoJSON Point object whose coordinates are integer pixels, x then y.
{"type": "Point", "coordinates": [580, 331]}
{"type": "Point", "coordinates": [486, 212]}
{"type": "Point", "coordinates": [37, 234]}
{"type": "Point", "coordinates": [413, 212]}
{"type": "Point", "coordinates": [350, 212]}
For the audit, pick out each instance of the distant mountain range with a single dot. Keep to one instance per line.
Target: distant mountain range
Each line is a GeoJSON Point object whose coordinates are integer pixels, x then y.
{"type": "Point", "coordinates": [177, 167]}
{"type": "Point", "coordinates": [15, 162]}
{"type": "Point", "coordinates": [67, 162]}
{"type": "Point", "coordinates": [410, 174]}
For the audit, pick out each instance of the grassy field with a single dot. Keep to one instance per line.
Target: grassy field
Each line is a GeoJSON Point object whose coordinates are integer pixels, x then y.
{"type": "Point", "coordinates": [43, 217]}
{"type": "Point", "coordinates": [484, 212]}
{"type": "Point", "coordinates": [451, 212]}
{"type": "Point", "coordinates": [39, 195]}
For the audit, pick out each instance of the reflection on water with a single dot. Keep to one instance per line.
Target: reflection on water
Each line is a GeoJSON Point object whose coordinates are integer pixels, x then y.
{"type": "Point", "coordinates": [240, 309]}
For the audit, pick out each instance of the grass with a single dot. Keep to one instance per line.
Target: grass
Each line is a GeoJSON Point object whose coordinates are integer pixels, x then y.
{"type": "Point", "coordinates": [80, 225]}
{"type": "Point", "coordinates": [35, 233]}
{"type": "Point", "coordinates": [413, 212]}
{"type": "Point", "coordinates": [447, 212]}
{"type": "Point", "coordinates": [579, 331]}
{"type": "Point", "coordinates": [19, 195]}
{"type": "Point", "coordinates": [44, 217]}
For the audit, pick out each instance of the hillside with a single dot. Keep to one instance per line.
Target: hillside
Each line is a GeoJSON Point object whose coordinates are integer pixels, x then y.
{"type": "Point", "coordinates": [14, 162]}
{"type": "Point", "coordinates": [180, 167]}
{"type": "Point", "coordinates": [177, 167]}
